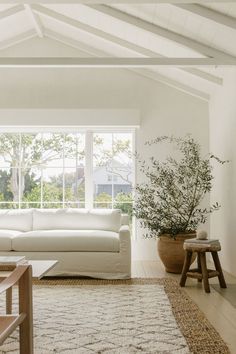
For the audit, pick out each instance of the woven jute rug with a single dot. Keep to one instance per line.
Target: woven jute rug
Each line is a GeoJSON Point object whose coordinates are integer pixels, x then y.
{"type": "Point", "coordinates": [117, 317]}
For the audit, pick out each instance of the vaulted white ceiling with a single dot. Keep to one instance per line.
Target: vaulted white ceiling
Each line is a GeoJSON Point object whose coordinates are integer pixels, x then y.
{"type": "Point", "coordinates": [182, 44]}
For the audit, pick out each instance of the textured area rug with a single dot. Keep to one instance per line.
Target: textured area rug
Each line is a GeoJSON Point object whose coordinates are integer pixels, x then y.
{"type": "Point", "coordinates": [117, 317]}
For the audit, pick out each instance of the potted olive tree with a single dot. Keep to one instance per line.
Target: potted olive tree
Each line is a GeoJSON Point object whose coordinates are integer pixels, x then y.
{"type": "Point", "coordinates": [169, 203]}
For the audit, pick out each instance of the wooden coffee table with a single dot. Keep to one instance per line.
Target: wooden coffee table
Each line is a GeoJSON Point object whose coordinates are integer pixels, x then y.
{"type": "Point", "coordinates": [39, 269]}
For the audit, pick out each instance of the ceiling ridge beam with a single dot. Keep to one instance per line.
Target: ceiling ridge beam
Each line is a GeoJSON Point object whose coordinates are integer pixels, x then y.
{"type": "Point", "coordinates": [107, 62]}
{"type": "Point", "coordinates": [11, 11]}
{"type": "Point", "coordinates": [162, 32]}
{"type": "Point", "coordinates": [209, 14]}
{"type": "Point", "coordinates": [35, 20]}
{"type": "Point", "coordinates": [143, 72]}
{"type": "Point", "coordinates": [114, 39]}
{"type": "Point", "coordinates": [10, 42]}
{"type": "Point", "coordinates": [87, 2]}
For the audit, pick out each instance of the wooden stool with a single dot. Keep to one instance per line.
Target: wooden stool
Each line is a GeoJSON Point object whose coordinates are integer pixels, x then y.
{"type": "Point", "coordinates": [201, 272]}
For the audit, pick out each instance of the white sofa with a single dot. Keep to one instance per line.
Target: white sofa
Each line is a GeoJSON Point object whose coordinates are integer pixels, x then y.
{"type": "Point", "coordinates": [93, 243]}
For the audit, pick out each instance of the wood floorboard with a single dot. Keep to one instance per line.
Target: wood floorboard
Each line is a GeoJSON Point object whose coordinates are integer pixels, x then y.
{"type": "Point", "coordinates": [138, 270]}
{"type": "Point", "coordinates": [216, 308]}
{"type": "Point", "coordinates": [151, 269]}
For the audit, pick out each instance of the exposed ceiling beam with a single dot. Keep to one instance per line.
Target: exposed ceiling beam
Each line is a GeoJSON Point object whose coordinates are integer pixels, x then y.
{"type": "Point", "coordinates": [11, 11]}
{"type": "Point", "coordinates": [162, 32]}
{"type": "Point", "coordinates": [205, 75]}
{"type": "Point", "coordinates": [87, 2]}
{"type": "Point", "coordinates": [74, 43]}
{"type": "Point", "coordinates": [34, 18]}
{"type": "Point", "coordinates": [210, 14]}
{"type": "Point", "coordinates": [118, 41]}
{"type": "Point", "coordinates": [91, 50]}
{"type": "Point", "coordinates": [95, 52]}
{"type": "Point", "coordinates": [56, 16]}
{"type": "Point", "coordinates": [173, 83]}
{"type": "Point", "coordinates": [17, 39]}
{"type": "Point", "coordinates": [140, 50]}
{"type": "Point", "coordinates": [105, 62]}
{"type": "Point", "coordinates": [143, 72]}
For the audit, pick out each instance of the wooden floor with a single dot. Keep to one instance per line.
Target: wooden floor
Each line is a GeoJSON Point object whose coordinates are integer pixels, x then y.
{"type": "Point", "coordinates": [216, 308]}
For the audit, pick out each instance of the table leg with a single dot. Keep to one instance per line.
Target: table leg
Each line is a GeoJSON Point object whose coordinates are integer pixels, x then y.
{"type": "Point", "coordinates": [219, 269]}
{"type": "Point", "coordinates": [199, 266]}
{"type": "Point", "coordinates": [204, 272]}
{"type": "Point", "coordinates": [26, 306]}
{"type": "Point", "coordinates": [9, 301]}
{"type": "Point", "coordinates": [187, 263]}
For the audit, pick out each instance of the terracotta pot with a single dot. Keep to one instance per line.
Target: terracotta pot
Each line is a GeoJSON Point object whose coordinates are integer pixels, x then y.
{"type": "Point", "coordinates": [172, 253]}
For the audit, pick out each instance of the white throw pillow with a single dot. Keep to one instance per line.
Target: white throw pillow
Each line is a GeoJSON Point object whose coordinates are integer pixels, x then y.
{"type": "Point", "coordinates": [16, 219]}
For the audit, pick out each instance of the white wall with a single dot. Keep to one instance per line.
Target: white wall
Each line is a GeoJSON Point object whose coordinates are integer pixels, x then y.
{"type": "Point", "coordinates": [64, 118]}
{"type": "Point", "coordinates": [163, 110]}
{"type": "Point", "coordinates": [169, 112]}
{"type": "Point", "coordinates": [223, 144]}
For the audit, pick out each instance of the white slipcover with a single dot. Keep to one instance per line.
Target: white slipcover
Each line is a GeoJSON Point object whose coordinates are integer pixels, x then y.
{"type": "Point", "coordinates": [85, 242]}
{"type": "Point", "coordinates": [16, 219]}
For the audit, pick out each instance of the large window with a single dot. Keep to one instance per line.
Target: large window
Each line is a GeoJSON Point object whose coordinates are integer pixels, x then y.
{"type": "Point", "coordinates": [59, 170]}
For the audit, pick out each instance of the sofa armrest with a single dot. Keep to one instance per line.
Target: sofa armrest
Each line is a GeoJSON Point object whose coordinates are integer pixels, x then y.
{"type": "Point", "coordinates": [125, 242]}
{"type": "Point", "coordinates": [124, 228]}
{"type": "Point", "coordinates": [124, 219]}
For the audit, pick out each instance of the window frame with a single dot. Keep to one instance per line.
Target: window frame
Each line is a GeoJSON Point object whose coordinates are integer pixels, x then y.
{"type": "Point", "coordinates": [88, 168]}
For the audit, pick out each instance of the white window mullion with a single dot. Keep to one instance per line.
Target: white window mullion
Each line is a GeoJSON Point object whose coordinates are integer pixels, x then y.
{"type": "Point", "coordinates": [112, 176]}
{"type": "Point", "coordinates": [41, 179]}
{"type": "Point", "coordinates": [41, 189]}
{"type": "Point", "coordinates": [134, 170]}
{"type": "Point", "coordinates": [19, 173]}
{"type": "Point", "coordinates": [63, 173]}
{"type": "Point", "coordinates": [89, 170]}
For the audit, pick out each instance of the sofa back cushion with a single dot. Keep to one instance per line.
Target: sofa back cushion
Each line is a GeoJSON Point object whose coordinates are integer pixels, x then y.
{"type": "Point", "coordinates": [16, 219]}
{"type": "Point", "coordinates": [105, 219]}
{"type": "Point", "coordinates": [76, 219]}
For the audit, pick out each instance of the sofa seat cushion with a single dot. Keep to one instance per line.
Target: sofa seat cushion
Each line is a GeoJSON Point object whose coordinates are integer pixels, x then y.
{"type": "Point", "coordinates": [67, 241]}
{"type": "Point", "coordinates": [6, 239]}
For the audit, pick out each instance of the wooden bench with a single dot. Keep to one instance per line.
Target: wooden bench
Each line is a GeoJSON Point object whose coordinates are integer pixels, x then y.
{"type": "Point", "coordinates": [202, 272]}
